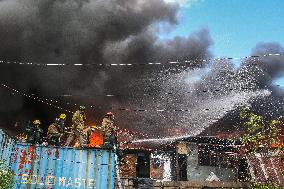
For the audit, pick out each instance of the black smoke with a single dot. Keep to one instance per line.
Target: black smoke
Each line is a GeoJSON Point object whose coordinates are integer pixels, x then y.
{"type": "Point", "coordinates": [74, 31]}
{"type": "Point", "coordinates": [191, 97]}
{"type": "Point", "coordinates": [87, 32]}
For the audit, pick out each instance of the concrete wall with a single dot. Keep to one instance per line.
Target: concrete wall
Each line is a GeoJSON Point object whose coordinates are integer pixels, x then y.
{"type": "Point", "coordinates": [201, 173]}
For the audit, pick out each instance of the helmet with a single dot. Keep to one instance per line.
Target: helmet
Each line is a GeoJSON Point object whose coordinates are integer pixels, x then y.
{"type": "Point", "coordinates": [62, 116]}
{"type": "Point", "coordinates": [109, 114]}
{"type": "Point", "coordinates": [36, 122]}
{"type": "Point", "coordinates": [82, 108]}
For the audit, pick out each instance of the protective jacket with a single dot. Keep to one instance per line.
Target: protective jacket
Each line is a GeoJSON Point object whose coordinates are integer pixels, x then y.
{"type": "Point", "coordinates": [78, 120]}
{"type": "Point", "coordinates": [78, 133]}
{"type": "Point", "coordinates": [107, 127]}
{"type": "Point", "coordinates": [53, 134]}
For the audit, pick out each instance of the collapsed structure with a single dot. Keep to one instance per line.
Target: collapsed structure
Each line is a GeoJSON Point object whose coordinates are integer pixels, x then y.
{"type": "Point", "coordinates": [197, 162]}
{"type": "Point", "coordinates": [192, 162]}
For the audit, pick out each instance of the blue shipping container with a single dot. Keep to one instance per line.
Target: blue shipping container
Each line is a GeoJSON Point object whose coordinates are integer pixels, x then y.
{"type": "Point", "coordinates": [39, 167]}
{"type": "Point", "coordinates": [6, 148]}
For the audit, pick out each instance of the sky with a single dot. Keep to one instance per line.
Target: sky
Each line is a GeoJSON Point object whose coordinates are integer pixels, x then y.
{"type": "Point", "coordinates": [236, 26]}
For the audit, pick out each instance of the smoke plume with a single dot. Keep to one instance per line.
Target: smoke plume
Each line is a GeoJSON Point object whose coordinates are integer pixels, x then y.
{"type": "Point", "coordinates": [85, 31]}
{"type": "Point", "coordinates": [163, 100]}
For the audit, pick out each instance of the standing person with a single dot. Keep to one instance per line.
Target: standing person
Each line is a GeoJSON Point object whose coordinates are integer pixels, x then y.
{"type": "Point", "coordinates": [110, 140]}
{"type": "Point", "coordinates": [78, 125]}
{"type": "Point", "coordinates": [38, 132]}
{"type": "Point", "coordinates": [108, 129]}
{"type": "Point", "coordinates": [34, 133]}
{"type": "Point", "coordinates": [53, 133]}
{"type": "Point", "coordinates": [61, 122]}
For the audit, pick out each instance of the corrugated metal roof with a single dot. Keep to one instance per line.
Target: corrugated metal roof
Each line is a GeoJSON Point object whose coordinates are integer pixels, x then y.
{"type": "Point", "coordinates": [266, 169]}
{"type": "Point", "coordinates": [58, 168]}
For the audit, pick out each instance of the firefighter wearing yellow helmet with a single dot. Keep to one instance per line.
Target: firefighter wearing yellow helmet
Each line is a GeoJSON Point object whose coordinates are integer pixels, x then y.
{"type": "Point", "coordinates": [34, 132]}
{"type": "Point", "coordinates": [53, 133]}
{"type": "Point", "coordinates": [61, 122]}
{"type": "Point", "coordinates": [78, 126]}
{"type": "Point", "coordinates": [56, 130]}
{"type": "Point", "coordinates": [36, 122]}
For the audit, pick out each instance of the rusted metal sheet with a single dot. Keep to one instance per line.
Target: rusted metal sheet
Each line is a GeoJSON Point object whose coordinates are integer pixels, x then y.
{"type": "Point", "coordinates": [40, 167]}
{"type": "Point", "coordinates": [266, 169]}
{"type": "Point", "coordinates": [128, 167]}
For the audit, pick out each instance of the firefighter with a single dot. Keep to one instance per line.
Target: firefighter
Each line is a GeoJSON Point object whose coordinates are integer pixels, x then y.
{"type": "Point", "coordinates": [34, 133]}
{"type": "Point", "coordinates": [78, 125]}
{"type": "Point", "coordinates": [108, 129]}
{"type": "Point", "coordinates": [61, 122]}
{"type": "Point", "coordinates": [53, 133]}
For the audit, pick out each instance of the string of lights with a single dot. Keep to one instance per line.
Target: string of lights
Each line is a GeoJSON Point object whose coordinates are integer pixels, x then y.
{"type": "Point", "coordinates": [46, 101]}
{"type": "Point", "coordinates": [52, 102]}
{"type": "Point", "coordinates": [252, 57]}
{"type": "Point", "coordinates": [33, 97]}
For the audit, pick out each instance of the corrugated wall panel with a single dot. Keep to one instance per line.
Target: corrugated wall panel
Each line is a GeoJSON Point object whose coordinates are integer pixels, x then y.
{"type": "Point", "coordinates": [40, 167]}
{"type": "Point", "coordinates": [267, 169]}
{"type": "Point", "coordinates": [6, 147]}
